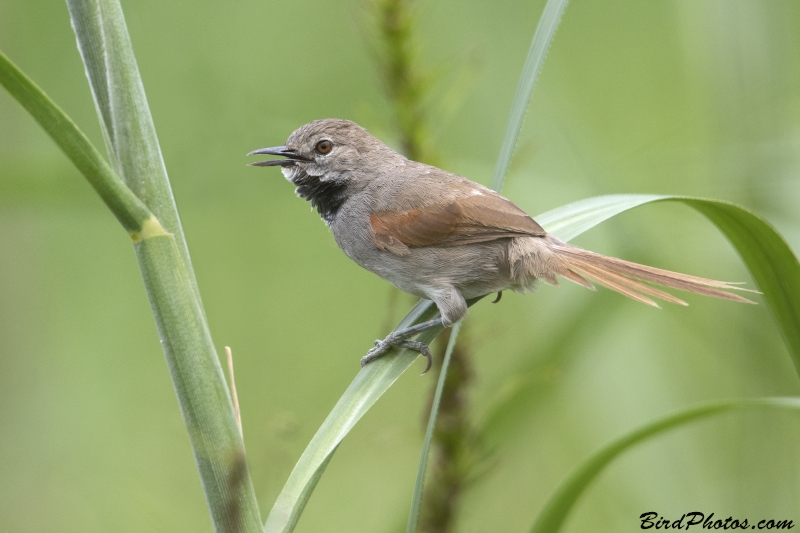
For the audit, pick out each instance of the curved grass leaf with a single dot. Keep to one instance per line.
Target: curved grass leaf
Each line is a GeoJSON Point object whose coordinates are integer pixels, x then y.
{"type": "Point", "coordinates": [555, 511]}
{"type": "Point", "coordinates": [766, 254]}
{"type": "Point", "coordinates": [770, 260]}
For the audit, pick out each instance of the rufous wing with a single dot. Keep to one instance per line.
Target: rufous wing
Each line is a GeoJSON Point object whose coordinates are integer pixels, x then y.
{"type": "Point", "coordinates": [478, 216]}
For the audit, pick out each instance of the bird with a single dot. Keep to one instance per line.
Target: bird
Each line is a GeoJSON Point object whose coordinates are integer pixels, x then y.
{"type": "Point", "coordinates": [442, 237]}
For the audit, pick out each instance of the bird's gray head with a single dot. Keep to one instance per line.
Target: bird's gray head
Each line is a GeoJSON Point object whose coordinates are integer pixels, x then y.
{"type": "Point", "coordinates": [327, 157]}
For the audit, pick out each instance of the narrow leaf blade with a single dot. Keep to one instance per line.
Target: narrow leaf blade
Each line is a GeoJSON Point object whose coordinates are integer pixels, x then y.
{"type": "Point", "coordinates": [416, 500]}
{"type": "Point", "coordinates": [557, 508]}
{"type": "Point", "coordinates": [542, 38]}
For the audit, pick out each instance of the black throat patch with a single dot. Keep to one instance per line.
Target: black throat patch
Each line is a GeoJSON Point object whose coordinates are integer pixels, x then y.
{"type": "Point", "coordinates": [326, 196]}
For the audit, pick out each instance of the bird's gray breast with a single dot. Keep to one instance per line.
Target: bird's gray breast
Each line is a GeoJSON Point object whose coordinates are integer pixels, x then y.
{"type": "Point", "coordinates": [352, 231]}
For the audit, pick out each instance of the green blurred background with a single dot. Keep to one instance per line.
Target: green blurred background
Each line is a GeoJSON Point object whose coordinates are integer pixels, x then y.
{"type": "Point", "coordinates": [686, 97]}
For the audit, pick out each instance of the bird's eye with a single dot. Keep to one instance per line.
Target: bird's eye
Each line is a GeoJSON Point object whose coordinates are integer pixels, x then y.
{"type": "Point", "coordinates": [323, 147]}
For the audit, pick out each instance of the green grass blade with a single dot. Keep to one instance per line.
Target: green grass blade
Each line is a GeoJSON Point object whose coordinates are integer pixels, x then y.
{"type": "Point", "coordinates": [196, 373]}
{"type": "Point", "coordinates": [129, 210]}
{"type": "Point", "coordinates": [557, 508]}
{"type": "Point", "coordinates": [569, 221]}
{"type": "Point", "coordinates": [766, 254]}
{"type": "Point", "coordinates": [771, 262]}
{"type": "Point", "coordinates": [542, 38]}
{"type": "Point", "coordinates": [416, 501]}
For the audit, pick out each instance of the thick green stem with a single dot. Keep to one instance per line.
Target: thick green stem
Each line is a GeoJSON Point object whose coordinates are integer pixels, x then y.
{"type": "Point", "coordinates": [134, 150]}
{"type": "Point", "coordinates": [200, 385]}
{"type": "Point", "coordinates": [144, 205]}
{"type": "Point", "coordinates": [124, 114]}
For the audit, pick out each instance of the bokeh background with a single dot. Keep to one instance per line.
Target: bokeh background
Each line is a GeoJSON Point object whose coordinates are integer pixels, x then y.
{"type": "Point", "coordinates": [693, 97]}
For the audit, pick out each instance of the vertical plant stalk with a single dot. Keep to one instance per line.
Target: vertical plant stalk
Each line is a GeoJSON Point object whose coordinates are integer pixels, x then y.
{"type": "Point", "coordinates": [133, 148]}
{"type": "Point", "coordinates": [200, 386]}
{"type": "Point", "coordinates": [403, 82]}
{"type": "Point", "coordinates": [121, 104]}
{"type": "Point", "coordinates": [179, 316]}
{"type": "Point", "coordinates": [449, 444]}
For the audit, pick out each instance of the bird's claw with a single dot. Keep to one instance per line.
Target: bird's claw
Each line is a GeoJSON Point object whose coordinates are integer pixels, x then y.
{"type": "Point", "coordinates": [423, 349]}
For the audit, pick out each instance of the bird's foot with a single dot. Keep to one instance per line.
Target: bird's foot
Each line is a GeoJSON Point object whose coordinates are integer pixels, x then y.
{"type": "Point", "coordinates": [399, 339]}
{"type": "Point", "coordinates": [381, 347]}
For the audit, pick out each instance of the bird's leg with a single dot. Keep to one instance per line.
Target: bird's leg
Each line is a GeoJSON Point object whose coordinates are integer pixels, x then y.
{"type": "Point", "coordinates": [399, 339]}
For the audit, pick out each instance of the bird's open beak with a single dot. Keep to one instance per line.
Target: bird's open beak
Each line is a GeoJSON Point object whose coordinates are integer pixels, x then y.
{"type": "Point", "coordinates": [292, 157]}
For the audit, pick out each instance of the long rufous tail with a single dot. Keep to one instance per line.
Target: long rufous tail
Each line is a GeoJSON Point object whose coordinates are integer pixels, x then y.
{"type": "Point", "coordinates": [626, 277]}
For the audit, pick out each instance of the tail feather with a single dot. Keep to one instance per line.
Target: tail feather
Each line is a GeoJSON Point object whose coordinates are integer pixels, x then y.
{"type": "Point", "coordinates": [607, 277]}
{"type": "Point", "coordinates": [577, 278]}
{"type": "Point", "coordinates": [626, 277]}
